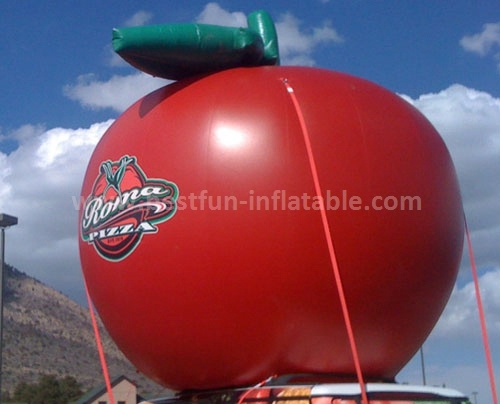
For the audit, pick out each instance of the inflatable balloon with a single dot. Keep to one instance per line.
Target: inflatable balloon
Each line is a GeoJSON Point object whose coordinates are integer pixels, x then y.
{"type": "Point", "coordinates": [202, 243]}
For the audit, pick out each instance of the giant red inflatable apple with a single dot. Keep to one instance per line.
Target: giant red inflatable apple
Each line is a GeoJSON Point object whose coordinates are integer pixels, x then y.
{"type": "Point", "coordinates": [202, 243]}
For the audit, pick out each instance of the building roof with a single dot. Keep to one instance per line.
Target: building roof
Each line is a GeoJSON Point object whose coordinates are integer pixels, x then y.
{"type": "Point", "coordinates": [98, 391]}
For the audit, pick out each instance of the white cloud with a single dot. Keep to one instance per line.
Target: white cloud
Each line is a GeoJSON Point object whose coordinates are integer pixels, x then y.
{"type": "Point", "coordinates": [462, 377]}
{"type": "Point", "coordinates": [113, 59]}
{"type": "Point", "coordinates": [297, 46]}
{"type": "Point", "coordinates": [454, 353]}
{"type": "Point", "coordinates": [455, 350]}
{"type": "Point", "coordinates": [214, 14]}
{"type": "Point", "coordinates": [469, 123]}
{"type": "Point", "coordinates": [326, 33]}
{"type": "Point", "coordinates": [483, 42]}
{"type": "Point", "coordinates": [140, 18]}
{"type": "Point", "coordinates": [465, 378]}
{"type": "Point", "coordinates": [118, 93]}
{"type": "Point", "coordinates": [39, 180]}
{"type": "Point", "coordinates": [460, 318]}
{"type": "Point", "coordinates": [5, 171]}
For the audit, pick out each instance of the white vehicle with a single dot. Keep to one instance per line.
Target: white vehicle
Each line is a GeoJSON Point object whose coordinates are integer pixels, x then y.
{"type": "Point", "coordinates": [323, 393]}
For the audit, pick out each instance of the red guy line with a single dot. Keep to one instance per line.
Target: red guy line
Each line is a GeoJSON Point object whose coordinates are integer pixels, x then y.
{"type": "Point", "coordinates": [329, 241]}
{"type": "Point", "coordinates": [100, 349]}
{"type": "Point", "coordinates": [482, 317]}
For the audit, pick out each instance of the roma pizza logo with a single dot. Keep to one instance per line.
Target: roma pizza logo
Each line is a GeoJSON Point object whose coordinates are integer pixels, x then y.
{"type": "Point", "coordinates": [125, 206]}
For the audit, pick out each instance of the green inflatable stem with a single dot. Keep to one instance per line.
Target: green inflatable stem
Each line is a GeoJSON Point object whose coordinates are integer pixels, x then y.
{"type": "Point", "coordinates": [177, 51]}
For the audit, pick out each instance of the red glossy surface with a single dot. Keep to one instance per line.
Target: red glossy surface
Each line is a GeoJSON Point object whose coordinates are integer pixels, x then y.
{"type": "Point", "coordinates": [223, 297]}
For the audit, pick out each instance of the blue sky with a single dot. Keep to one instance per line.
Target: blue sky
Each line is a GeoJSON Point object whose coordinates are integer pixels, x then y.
{"type": "Point", "coordinates": [62, 87]}
{"type": "Point", "coordinates": [409, 47]}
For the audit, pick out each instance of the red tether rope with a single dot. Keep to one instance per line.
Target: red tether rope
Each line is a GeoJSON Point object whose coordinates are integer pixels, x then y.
{"type": "Point", "coordinates": [482, 317]}
{"type": "Point", "coordinates": [100, 349]}
{"type": "Point", "coordinates": [329, 241]}
{"type": "Point", "coordinates": [260, 384]}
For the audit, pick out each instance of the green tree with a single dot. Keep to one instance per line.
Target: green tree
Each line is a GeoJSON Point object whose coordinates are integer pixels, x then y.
{"type": "Point", "coordinates": [25, 392]}
{"type": "Point", "coordinates": [48, 390]}
{"type": "Point", "coordinates": [70, 389]}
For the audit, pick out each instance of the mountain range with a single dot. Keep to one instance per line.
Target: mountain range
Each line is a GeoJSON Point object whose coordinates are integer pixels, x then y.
{"type": "Point", "coordinates": [45, 332]}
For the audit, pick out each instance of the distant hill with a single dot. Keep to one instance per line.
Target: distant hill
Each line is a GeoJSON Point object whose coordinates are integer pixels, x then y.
{"type": "Point", "coordinates": [45, 332]}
